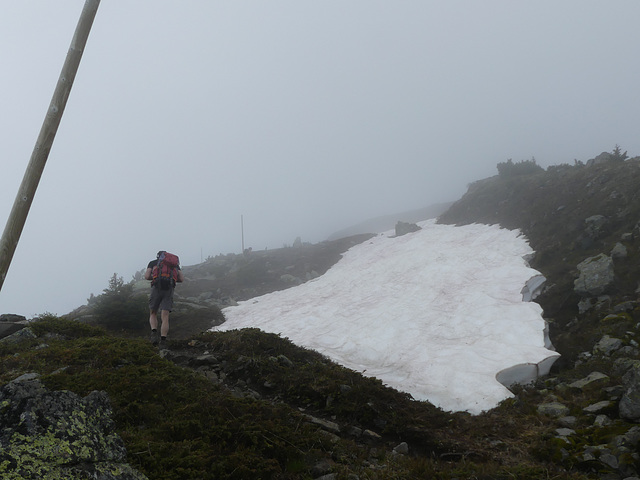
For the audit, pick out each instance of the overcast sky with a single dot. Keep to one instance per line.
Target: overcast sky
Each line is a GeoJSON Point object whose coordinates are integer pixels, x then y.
{"type": "Point", "coordinates": [304, 117]}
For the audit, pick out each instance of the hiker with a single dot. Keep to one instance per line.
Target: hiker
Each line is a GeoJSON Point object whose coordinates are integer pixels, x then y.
{"type": "Point", "coordinates": [163, 272]}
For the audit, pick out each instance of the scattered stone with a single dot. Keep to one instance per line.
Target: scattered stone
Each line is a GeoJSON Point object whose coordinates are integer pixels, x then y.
{"type": "Point", "coordinates": [595, 226]}
{"type": "Point", "coordinates": [324, 424]}
{"type": "Point", "coordinates": [630, 402]}
{"type": "Point", "coordinates": [627, 237]}
{"type": "Point", "coordinates": [584, 305]}
{"type": "Point", "coordinates": [629, 439]}
{"type": "Point", "coordinates": [623, 364]}
{"type": "Point", "coordinates": [330, 476]}
{"type": "Point", "coordinates": [598, 407]}
{"type": "Point", "coordinates": [602, 421]}
{"type": "Point", "coordinates": [594, 379]}
{"type": "Point", "coordinates": [568, 422]}
{"type": "Point", "coordinates": [323, 467]}
{"type": "Point", "coordinates": [609, 460]}
{"type": "Point", "coordinates": [565, 432]}
{"type": "Point", "coordinates": [596, 276]}
{"type": "Point", "coordinates": [615, 392]}
{"type": "Point", "coordinates": [205, 360]}
{"type": "Point", "coordinates": [371, 435]}
{"type": "Point", "coordinates": [625, 306]}
{"type": "Point", "coordinates": [619, 252]}
{"type": "Point", "coordinates": [402, 228]}
{"type": "Point", "coordinates": [553, 409]}
{"type": "Point", "coordinates": [607, 345]}
{"type": "Point", "coordinates": [283, 360]}
{"type": "Point", "coordinates": [402, 448]}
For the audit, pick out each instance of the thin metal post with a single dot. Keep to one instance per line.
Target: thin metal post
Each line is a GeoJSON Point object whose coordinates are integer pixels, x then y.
{"type": "Point", "coordinates": [242, 231]}
{"type": "Point", "coordinates": [22, 203]}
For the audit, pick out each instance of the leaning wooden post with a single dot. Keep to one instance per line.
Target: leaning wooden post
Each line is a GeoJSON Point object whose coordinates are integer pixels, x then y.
{"type": "Point", "coordinates": [22, 203]}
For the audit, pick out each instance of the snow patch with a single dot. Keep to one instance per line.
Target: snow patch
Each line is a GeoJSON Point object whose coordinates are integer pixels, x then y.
{"type": "Point", "coordinates": [436, 313]}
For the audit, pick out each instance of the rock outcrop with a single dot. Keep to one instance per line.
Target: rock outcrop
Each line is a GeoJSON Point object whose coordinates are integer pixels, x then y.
{"type": "Point", "coordinates": [596, 276]}
{"type": "Point", "coordinates": [46, 434]}
{"type": "Point", "coordinates": [402, 228]}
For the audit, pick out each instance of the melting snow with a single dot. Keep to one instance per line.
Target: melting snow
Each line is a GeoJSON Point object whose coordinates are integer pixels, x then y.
{"type": "Point", "coordinates": [437, 313]}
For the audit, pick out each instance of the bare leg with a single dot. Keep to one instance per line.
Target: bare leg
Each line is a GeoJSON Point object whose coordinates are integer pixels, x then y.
{"type": "Point", "coordinates": [164, 329]}
{"type": "Point", "coordinates": [153, 319]}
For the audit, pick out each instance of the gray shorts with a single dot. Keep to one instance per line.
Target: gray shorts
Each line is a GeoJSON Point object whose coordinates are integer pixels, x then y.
{"type": "Point", "coordinates": [160, 299]}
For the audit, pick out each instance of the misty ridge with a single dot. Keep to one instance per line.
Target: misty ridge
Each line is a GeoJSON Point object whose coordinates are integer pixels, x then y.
{"type": "Point", "coordinates": [225, 279]}
{"type": "Point", "coordinates": [253, 405]}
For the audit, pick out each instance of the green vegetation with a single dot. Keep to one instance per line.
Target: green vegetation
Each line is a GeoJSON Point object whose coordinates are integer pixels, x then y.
{"type": "Point", "coordinates": [524, 167]}
{"type": "Point", "coordinates": [179, 424]}
{"type": "Point", "coordinates": [118, 308]}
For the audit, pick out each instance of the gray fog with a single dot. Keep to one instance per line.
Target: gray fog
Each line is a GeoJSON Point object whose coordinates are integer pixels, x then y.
{"type": "Point", "coordinates": [302, 117]}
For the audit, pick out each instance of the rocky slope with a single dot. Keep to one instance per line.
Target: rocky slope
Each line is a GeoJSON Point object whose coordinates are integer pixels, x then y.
{"type": "Point", "coordinates": [246, 404]}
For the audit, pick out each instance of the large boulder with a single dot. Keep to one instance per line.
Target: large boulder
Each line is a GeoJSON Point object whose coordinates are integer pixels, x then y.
{"type": "Point", "coordinates": [596, 226]}
{"type": "Point", "coordinates": [11, 323]}
{"type": "Point", "coordinates": [402, 228]}
{"type": "Point", "coordinates": [596, 276]}
{"type": "Point", "coordinates": [604, 157]}
{"type": "Point", "coordinates": [46, 434]}
{"type": "Point", "coordinates": [630, 402]}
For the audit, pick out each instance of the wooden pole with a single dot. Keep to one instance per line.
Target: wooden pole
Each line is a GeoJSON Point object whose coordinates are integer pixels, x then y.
{"type": "Point", "coordinates": [22, 203]}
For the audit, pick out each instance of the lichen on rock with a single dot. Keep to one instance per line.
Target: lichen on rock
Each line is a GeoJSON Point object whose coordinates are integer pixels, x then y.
{"type": "Point", "coordinates": [53, 435]}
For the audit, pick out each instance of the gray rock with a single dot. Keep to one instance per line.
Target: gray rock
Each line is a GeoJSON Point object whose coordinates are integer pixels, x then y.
{"type": "Point", "coordinates": [594, 379]}
{"type": "Point", "coordinates": [629, 439]}
{"type": "Point", "coordinates": [604, 157]}
{"type": "Point", "coordinates": [402, 448]}
{"type": "Point", "coordinates": [324, 424]}
{"type": "Point", "coordinates": [329, 476]}
{"type": "Point", "coordinates": [46, 434]}
{"type": "Point", "coordinates": [607, 345]}
{"type": "Point", "coordinates": [205, 360]}
{"type": "Point", "coordinates": [371, 435]}
{"type": "Point", "coordinates": [19, 336]}
{"type": "Point", "coordinates": [627, 306]}
{"type": "Point", "coordinates": [596, 276]}
{"type": "Point", "coordinates": [568, 422]}
{"type": "Point", "coordinates": [565, 432]}
{"type": "Point", "coordinates": [402, 228]}
{"type": "Point", "coordinates": [553, 409]}
{"type": "Point", "coordinates": [609, 460]}
{"type": "Point", "coordinates": [627, 237]}
{"type": "Point", "coordinates": [619, 252]}
{"type": "Point", "coordinates": [283, 360]}
{"type": "Point", "coordinates": [12, 317]}
{"type": "Point", "coordinates": [595, 226]}
{"type": "Point", "coordinates": [623, 364]}
{"type": "Point", "coordinates": [602, 421]}
{"type": "Point", "coordinates": [598, 407]}
{"type": "Point", "coordinates": [584, 305]}
{"type": "Point", "coordinates": [630, 402]}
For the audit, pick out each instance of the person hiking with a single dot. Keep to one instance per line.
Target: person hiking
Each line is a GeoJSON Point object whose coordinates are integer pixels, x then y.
{"type": "Point", "coordinates": [163, 272]}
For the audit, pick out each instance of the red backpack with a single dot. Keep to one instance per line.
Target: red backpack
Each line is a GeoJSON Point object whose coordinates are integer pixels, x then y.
{"type": "Point", "coordinates": [165, 273]}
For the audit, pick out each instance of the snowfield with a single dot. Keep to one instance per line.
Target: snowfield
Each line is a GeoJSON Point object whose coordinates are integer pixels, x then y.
{"type": "Point", "coordinates": [438, 313]}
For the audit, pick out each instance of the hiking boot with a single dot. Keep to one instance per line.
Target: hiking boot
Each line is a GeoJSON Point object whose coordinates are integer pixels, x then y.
{"type": "Point", "coordinates": [154, 338]}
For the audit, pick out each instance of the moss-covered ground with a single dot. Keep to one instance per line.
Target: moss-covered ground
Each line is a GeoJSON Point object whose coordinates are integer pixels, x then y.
{"type": "Point", "coordinates": [179, 424]}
